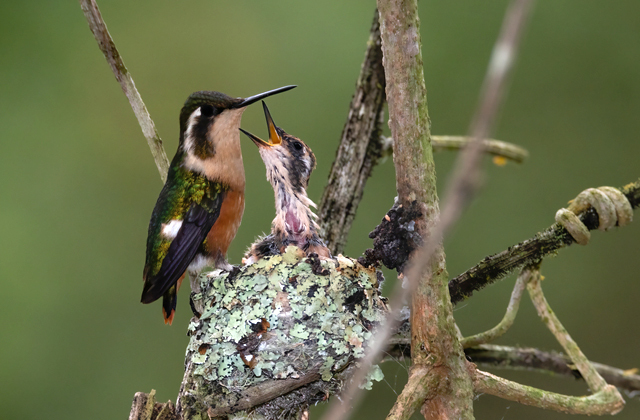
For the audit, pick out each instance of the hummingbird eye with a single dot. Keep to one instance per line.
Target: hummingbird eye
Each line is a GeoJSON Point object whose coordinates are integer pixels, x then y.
{"type": "Point", "coordinates": [206, 110]}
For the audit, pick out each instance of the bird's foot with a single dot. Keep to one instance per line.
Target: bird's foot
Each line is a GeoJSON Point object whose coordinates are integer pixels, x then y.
{"type": "Point", "coordinates": [224, 265]}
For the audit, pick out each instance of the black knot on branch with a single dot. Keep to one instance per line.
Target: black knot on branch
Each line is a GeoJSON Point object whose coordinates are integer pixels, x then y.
{"type": "Point", "coordinates": [395, 238]}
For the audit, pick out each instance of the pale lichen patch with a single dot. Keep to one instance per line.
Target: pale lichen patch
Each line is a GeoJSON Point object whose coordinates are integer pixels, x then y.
{"type": "Point", "coordinates": [319, 323]}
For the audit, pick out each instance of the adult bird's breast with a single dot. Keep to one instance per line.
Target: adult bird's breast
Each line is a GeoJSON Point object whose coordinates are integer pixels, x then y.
{"type": "Point", "coordinates": [226, 227]}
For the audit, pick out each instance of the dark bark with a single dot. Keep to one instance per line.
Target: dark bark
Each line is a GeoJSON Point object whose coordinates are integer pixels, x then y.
{"type": "Point", "coordinates": [360, 149]}
{"type": "Point", "coordinates": [528, 252]}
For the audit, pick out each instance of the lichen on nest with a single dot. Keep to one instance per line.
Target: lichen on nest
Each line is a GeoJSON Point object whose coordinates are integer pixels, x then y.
{"type": "Point", "coordinates": [282, 319]}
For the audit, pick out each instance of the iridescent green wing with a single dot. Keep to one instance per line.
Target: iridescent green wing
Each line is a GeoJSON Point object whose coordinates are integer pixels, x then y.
{"type": "Point", "coordinates": [190, 204]}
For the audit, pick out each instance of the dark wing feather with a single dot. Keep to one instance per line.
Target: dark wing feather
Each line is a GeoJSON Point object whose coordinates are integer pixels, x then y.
{"type": "Point", "coordinates": [195, 226]}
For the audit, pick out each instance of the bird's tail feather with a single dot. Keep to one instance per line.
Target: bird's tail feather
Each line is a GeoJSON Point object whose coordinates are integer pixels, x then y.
{"type": "Point", "coordinates": [169, 301]}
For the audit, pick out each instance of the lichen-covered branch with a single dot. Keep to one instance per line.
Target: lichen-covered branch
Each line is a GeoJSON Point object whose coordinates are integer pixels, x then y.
{"type": "Point", "coordinates": [359, 151]}
{"type": "Point", "coordinates": [529, 252]}
{"type": "Point", "coordinates": [108, 48]}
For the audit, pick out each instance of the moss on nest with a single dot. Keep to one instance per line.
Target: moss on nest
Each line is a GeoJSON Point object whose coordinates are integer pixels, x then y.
{"type": "Point", "coordinates": [287, 322]}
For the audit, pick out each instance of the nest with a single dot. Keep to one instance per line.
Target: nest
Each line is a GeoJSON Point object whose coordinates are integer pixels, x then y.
{"type": "Point", "coordinates": [271, 338]}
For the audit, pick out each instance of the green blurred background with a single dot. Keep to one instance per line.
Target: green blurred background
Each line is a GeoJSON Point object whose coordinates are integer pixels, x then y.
{"type": "Point", "coordinates": [78, 181]}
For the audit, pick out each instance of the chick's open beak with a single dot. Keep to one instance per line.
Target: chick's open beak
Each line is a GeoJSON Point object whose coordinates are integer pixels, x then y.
{"type": "Point", "coordinates": [257, 140]}
{"type": "Point", "coordinates": [274, 138]}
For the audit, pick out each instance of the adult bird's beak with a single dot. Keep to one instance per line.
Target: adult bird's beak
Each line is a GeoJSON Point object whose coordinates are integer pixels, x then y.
{"type": "Point", "coordinates": [255, 98]}
{"type": "Point", "coordinates": [274, 138]}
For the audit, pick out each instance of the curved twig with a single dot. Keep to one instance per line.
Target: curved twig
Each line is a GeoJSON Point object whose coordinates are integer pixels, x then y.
{"type": "Point", "coordinates": [602, 402]}
{"type": "Point", "coordinates": [509, 316]}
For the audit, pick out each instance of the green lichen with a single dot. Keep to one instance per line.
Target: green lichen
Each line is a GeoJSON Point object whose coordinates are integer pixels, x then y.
{"type": "Point", "coordinates": [317, 323]}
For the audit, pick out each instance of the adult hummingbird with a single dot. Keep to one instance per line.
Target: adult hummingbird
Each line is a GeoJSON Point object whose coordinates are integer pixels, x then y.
{"type": "Point", "coordinates": [200, 206]}
{"type": "Point", "coordinates": [289, 164]}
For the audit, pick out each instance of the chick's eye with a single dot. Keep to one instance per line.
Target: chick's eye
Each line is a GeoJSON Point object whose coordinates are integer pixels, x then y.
{"type": "Point", "coordinates": [206, 110]}
{"type": "Point", "coordinates": [297, 145]}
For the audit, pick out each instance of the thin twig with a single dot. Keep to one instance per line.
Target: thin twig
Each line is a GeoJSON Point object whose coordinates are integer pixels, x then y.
{"type": "Point", "coordinates": [509, 316]}
{"type": "Point", "coordinates": [497, 148]}
{"type": "Point", "coordinates": [359, 150]}
{"type": "Point", "coordinates": [529, 252]}
{"type": "Point", "coordinates": [108, 48]}
{"type": "Point", "coordinates": [601, 403]}
{"type": "Point", "coordinates": [507, 357]}
{"type": "Point", "coordinates": [463, 187]}
{"type": "Point", "coordinates": [526, 358]}
{"type": "Point", "coordinates": [490, 146]}
{"type": "Point", "coordinates": [588, 372]}
{"type": "Point", "coordinates": [605, 398]}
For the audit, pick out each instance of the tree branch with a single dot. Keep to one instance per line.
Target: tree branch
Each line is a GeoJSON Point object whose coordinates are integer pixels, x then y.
{"type": "Point", "coordinates": [262, 393]}
{"type": "Point", "coordinates": [434, 337]}
{"type": "Point", "coordinates": [412, 397]}
{"type": "Point", "coordinates": [600, 403]}
{"type": "Point", "coordinates": [359, 151]}
{"type": "Point", "coordinates": [145, 407]}
{"type": "Point", "coordinates": [590, 375]}
{"type": "Point", "coordinates": [413, 161]}
{"type": "Point", "coordinates": [509, 316]}
{"type": "Point", "coordinates": [529, 252]}
{"type": "Point", "coordinates": [491, 146]}
{"type": "Point", "coordinates": [526, 358]}
{"type": "Point", "coordinates": [108, 48]}
{"type": "Point", "coordinates": [520, 358]}
{"type": "Point", "coordinates": [605, 398]}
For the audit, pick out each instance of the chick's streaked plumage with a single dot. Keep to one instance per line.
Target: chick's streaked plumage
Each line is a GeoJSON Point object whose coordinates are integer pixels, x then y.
{"type": "Point", "coordinates": [289, 163]}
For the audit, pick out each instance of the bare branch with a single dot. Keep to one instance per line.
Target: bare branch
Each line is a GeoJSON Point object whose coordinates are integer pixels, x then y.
{"type": "Point", "coordinates": [603, 402]}
{"type": "Point", "coordinates": [490, 146]}
{"type": "Point", "coordinates": [507, 357]}
{"type": "Point", "coordinates": [591, 376]}
{"type": "Point", "coordinates": [108, 48]}
{"type": "Point", "coordinates": [415, 174]}
{"type": "Point", "coordinates": [145, 407]}
{"type": "Point", "coordinates": [415, 182]}
{"type": "Point", "coordinates": [359, 151]}
{"type": "Point", "coordinates": [522, 358]}
{"type": "Point", "coordinates": [529, 252]}
{"type": "Point", "coordinates": [412, 396]}
{"type": "Point", "coordinates": [509, 316]}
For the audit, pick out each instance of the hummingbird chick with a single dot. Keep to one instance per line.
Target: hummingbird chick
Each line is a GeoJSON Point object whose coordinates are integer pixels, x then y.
{"type": "Point", "coordinates": [289, 165]}
{"type": "Point", "coordinates": [200, 206]}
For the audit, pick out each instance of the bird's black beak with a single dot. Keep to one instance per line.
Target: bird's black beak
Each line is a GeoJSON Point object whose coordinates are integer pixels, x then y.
{"type": "Point", "coordinates": [255, 98]}
{"type": "Point", "coordinates": [274, 138]}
